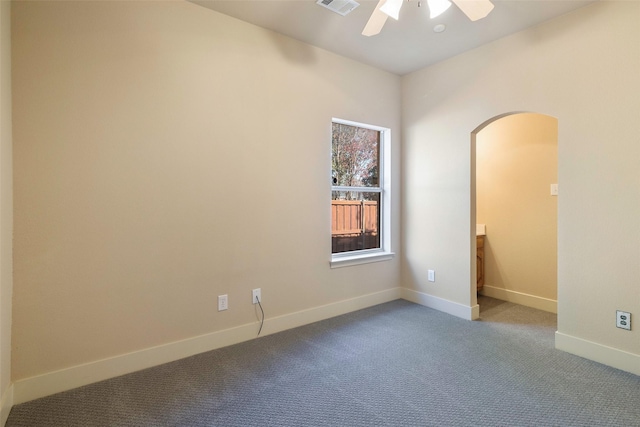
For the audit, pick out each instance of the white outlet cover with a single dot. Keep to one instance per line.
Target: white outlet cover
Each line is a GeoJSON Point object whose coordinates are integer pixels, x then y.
{"type": "Point", "coordinates": [623, 320]}
{"type": "Point", "coordinates": [431, 276]}
{"type": "Point", "coordinates": [256, 293]}
{"type": "Point", "coordinates": [223, 302]}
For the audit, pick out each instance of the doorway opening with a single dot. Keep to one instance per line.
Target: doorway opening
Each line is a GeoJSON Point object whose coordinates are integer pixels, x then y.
{"type": "Point", "coordinates": [514, 174]}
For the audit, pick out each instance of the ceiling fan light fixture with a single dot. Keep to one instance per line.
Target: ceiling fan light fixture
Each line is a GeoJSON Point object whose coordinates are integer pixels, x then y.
{"type": "Point", "coordinates": [437, 7]}
{"type": "Point", "coordinates": [475, 9]}
{"type": "Point", "coordinates": [376, 21]}
{"type": "Point", "coordinates": [392, 8]}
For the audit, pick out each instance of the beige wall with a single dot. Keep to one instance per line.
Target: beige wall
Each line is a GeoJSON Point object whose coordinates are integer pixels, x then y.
{"type": "Point", "coordinates": [6, 209]}
{"type": "Point", "coordinates": [516, 162]}
{"type": "Point", "coordinates": [147, 134]}
{"type": "Point", "coordinates": [164, 155]}
{"type": "Point", "coordinates": [583, 69]}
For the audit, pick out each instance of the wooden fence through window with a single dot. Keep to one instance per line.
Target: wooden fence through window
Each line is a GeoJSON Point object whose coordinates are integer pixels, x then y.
{"type": "Point", "coordinates": [354, 225]}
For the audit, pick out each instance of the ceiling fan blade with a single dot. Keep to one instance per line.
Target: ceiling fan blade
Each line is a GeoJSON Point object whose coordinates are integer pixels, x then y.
{"type": "Point", "coordinates": [376, 21]}
{"type": "Point", "coordinates": [474, 9]}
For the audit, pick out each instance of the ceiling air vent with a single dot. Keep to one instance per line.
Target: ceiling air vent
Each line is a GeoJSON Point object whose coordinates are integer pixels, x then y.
{"type": "Point", "coordinates": [339, 6]}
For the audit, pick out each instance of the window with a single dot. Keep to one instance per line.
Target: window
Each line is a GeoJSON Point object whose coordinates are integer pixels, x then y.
{"type": "Point", "coordinates": [359, 193]}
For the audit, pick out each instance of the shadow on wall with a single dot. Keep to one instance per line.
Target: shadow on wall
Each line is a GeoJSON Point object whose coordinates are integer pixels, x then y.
{"type": "Point", "coordinates": [293, 50]}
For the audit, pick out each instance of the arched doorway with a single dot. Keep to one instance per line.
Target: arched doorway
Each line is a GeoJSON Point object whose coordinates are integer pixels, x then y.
{"type": "Point", "coordinates": [514, 166]}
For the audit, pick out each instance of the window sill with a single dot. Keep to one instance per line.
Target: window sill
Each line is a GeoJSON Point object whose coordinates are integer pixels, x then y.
{"type": "Point", "coordinates": [347, 261]}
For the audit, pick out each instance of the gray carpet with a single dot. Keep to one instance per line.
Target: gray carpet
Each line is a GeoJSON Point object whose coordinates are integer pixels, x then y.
{"type": "Point", "coordinates": [396, 364]}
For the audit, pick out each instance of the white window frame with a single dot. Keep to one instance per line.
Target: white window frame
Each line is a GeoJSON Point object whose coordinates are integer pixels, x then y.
{"type": "Point", "coordinates": [384, 253]}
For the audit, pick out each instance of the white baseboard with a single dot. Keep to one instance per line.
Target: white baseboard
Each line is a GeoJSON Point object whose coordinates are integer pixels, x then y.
{"type": "Point", "coordinates": [66, 379]}
{"type": "Point", "coordinates": [6, 404]}
{"type": "Point", "coordinates": [609, 356]}
{"type": "Point", "coordinates": [544, 304]}
{"type": "Point", "coordinates": [440, 304]}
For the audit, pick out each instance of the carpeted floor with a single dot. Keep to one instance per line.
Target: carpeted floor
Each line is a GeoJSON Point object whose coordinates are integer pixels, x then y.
{"type": "Point", "coordinates": [396, 364]}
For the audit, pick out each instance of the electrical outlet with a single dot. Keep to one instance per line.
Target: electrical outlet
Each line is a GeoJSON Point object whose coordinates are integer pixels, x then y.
{"type": "Point", "coordinates": [256, 295]}
{"type": "Point", "coordinates": [431, 276]}
{"type": "Point", "coordinates": [223, 302]}
{"type": "Point", "coordinates": [623, 320]}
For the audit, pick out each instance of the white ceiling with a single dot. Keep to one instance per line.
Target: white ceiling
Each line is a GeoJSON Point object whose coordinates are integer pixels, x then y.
{"type": "Point", "coordinates": [403, 46]}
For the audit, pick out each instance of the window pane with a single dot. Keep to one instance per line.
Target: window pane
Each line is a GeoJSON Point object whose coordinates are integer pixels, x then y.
{"type": "Point", "coordinates": [355, 221]}
{"type": "Point", "coordinates": [355, 156]}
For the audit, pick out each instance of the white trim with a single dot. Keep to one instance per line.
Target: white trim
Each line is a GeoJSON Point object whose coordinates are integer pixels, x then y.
{"type": "Point", "coordinates": [358, 124]}
{"type": "Point", "coordinates": [384, 188]}
{"type": "Point", "coordinates": [6, 404]}
{"type": "Point", "coordinates": [347, 261]}
{"type": "Point", "coordinates": [304, 317]}
{"type": "Point", "coordinates": [609, 356]}
{"type": "Point", "coordinates": [533, 301]}
{"type": "Point", "coordinates": [440, 304]}
{"type": "Point", "coordinates": [76, 376]}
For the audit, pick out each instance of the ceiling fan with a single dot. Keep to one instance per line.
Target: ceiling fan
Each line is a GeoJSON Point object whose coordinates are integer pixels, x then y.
{"type": "Point", "coordinates": [474, 9]}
